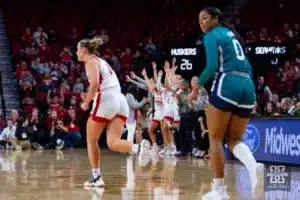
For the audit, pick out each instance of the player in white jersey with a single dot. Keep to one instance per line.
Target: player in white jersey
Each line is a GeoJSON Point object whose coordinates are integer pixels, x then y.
{"type": "Point", "coordinates": [157, 119]}
{"type": "Point", "coordinates": [110, 108]}
{"type": "Point", "coordinates": [170, 114]}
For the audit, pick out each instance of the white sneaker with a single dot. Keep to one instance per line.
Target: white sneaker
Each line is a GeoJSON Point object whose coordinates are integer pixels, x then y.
{"type": "Point", "coordinates": [154, 150]}
{"type": "Point", "coordinates": [171, 150]}
{"type": "Point", "coordinates": [144, 159]}
{"type": "Point", "coordinates": [145, 147]}
{"type": "Point", "coordinates": [162, 151]}
{"type": "Point", "coordinates": [95, 182]}
{"type": "Point", "coordinates": [219, 193]}
{"type": "Point", "coordinates": [258, 181]}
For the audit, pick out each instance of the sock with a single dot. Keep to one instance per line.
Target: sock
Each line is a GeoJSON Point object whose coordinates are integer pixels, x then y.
{"type": "Point", "coordinates": [135, 148]}
{"type": "Point", "coordinates": [154, 145]}
{"type": "Point", "coordinates": [218, 182]}
{"type": "Point", "coordinates": [96, 172]}
{"type": "Point", "coordinates": [243, 153]}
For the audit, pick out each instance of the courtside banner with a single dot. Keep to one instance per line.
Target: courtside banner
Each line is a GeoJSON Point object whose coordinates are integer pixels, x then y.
{"type": "Point", "coordinates": [274, 140]}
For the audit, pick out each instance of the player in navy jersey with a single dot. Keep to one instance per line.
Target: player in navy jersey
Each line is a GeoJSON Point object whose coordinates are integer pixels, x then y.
{"type": "Point", "coordinates": [231, 101]}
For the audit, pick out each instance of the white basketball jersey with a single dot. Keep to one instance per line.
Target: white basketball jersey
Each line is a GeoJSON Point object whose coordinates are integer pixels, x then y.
{"type": "Point", "coordinates": [108, 79]}
{"type": "Point", "coordinates": [158, 102]}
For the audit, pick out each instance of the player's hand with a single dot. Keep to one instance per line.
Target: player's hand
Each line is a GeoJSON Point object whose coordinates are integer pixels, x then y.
{"type": "Point", "coordinates": [133, 75]}
{"type": "Point", "coordinates": [167, 64]}
{"type": "Point", "coordinates": [154, 65]}
{"type": "Point", "coordinates": [193, 95]}
{"type": "Point", "coordinates": [84, 106]}
{"type": "Point", "coordinates": [144, 73]}
{"type": "Point", "coordinates": [173, 69]}
{"type": "Point", "coordinates": [83, 96]}
{"type": "Point", "coordinates": [173, 61]}
{"type": "Point", "coordinates": [128, 79]}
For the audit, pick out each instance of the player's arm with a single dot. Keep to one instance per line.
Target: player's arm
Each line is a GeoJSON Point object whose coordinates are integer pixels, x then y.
{"type": "Point", "coordinates": [92, 70]}
{"type": "Point", "coordinates": [144, 73]}
{"type": "Point", "coordinates": [154, 66]}
{"type": "Point", "coordinates": [133, 102]}
{"type": "Point", "coordinates": [158, 83]}
{"type": "Point", "coordinates": [212, 57]}
{"type": "Point", "coordinates": [138, 84]}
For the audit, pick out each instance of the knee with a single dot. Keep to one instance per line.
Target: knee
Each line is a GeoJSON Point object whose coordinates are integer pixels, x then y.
{"type": "Point", "coordinates": [90, 138]}
{"type": "Point", "coordinates": [110, 144]}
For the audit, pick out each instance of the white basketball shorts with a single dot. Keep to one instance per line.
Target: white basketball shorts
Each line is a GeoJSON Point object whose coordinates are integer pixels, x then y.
{"type": "Point", "coordinates": [108, 105]}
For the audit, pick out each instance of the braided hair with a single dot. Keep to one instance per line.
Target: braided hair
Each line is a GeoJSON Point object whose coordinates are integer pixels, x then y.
{"type": "Point", "coordinates": [217, 14]}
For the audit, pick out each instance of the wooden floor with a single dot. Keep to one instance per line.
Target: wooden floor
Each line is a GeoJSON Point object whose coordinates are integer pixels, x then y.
{"type": "Point", "coordinates": [52, 175]}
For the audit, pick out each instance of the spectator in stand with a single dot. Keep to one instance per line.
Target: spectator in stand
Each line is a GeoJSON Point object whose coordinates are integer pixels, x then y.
{"type": "Point", "coordinates": [275, 100]}
{"type": "Point", "coordinates": [40, 36]}
{"type": "Point", "coordinates": [287, 30]}
{"type": "Point", "coordinates": [55, 101]}
{"type": "Point", "coordinates": [23, 133]}
{"type": "Point", "coordinates": [66, 55]}
{"type": "Point", "coordinates": [297, 109]}
{"type": "Point", "coordinates": [73, 103]}
{"type": "Point", "coordinates": [271, 109]}
{"type": "Point", "coordinates": [104, 36]}
{"type": "Point", "coordinates": [52, 117]}
{"type": "Point", "coordinates": [78, 87]}
{"type": "Point", "coordinates": [150, 47]}
{"type": "Point", "coordinates": [250, 37]}
{"type": "Point", "coordinates": [38, 127]}
{"type": "Point", "coordinates": [73, 136]}
{"type": "Point", "coordinates": [7, 137]}
{"type": "Point", "coordinates": [56, 138]}
{"type": "Point", "coordinates": [263, 93]}
{"type": "Point", "coordinates": [287, 107]}
{"type": "Point", "coordinates": [65, 87]}
{"type": "Point", "coordinates": [74, 35]}
{"type": "Point", "coordinates": [31, 50]}
{"type": "Point", "coordinates": [14, 116]}
{"type": "Point", "coordinates": [27, 79]}
{"type": "Point", "coordinates": [263, 35]}
{"type": "Point", "coordinates": [36, 64]}
{"type": "Point", "coordinates": [27, 36]}
{"type": "Point", "coordinates": [73, 74]}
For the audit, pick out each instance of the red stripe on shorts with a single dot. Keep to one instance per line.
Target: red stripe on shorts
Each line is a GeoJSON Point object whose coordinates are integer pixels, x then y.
{"type": "Point", "coordinates": [98, 100]}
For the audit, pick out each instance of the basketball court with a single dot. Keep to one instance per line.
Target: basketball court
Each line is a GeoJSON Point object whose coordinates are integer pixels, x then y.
{"type": "Point", "coordinates": [58, 175]}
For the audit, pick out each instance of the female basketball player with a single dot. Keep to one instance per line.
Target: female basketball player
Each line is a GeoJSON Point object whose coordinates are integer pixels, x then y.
{"type": "Point", "coordinates": [170, 113]}
{"type": "Point", "coordinates": [232, 98]}
{"type": "Point", "coordinates": [157, 119]}
{"type": "Point", "coordinates": [110, 109]}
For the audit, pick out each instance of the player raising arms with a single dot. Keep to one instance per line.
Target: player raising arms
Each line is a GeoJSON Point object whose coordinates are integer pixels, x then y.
{"type": "Point", "coordinates": [231, 101]}
{"type": "Point", "coordinates": [110, 108]}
